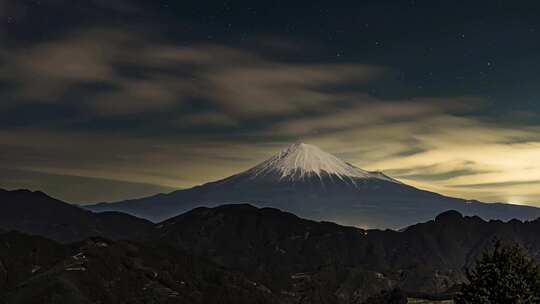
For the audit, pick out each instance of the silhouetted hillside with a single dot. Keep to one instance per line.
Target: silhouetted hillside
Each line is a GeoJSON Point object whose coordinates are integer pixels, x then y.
{"type": "Point", "coordinates": [262, 253]}
{"type": "Point", "coordinates": [38, 214]}
{"type": "Point", "coordinates": [341, 263]}
{"type": "Point", "coordinates": [37, 271]}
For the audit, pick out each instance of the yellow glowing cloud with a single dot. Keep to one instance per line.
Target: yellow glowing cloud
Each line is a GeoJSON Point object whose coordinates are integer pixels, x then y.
{"type": "Point", "coordinates": [426, 142]}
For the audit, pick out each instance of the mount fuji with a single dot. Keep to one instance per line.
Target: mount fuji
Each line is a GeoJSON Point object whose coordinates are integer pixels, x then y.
{"type": "Point", "coordinates": [312, 183]}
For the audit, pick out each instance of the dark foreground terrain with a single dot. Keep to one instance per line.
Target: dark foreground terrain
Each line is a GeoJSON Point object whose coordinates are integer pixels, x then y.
{"type": "Point", "coordinates": [234, 254]}
{"type": "Point", "coordinates": [36, 270]}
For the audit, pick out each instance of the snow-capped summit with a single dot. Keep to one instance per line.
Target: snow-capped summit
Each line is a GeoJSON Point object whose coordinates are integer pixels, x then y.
{"type": "Point", "coordinates": [300, 160]}
{"type": "Point", "coordinates": [314, 184]}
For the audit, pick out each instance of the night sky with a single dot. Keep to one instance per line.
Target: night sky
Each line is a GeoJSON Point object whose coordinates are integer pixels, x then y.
{"type": "Point", "coordinates": [107, 100]}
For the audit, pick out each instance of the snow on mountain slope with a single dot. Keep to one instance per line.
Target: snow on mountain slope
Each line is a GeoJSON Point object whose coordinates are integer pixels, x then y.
{"type": "Point", "coordinates": [300, 160]}
{"type": "Point", "coordinates": [314, 184]}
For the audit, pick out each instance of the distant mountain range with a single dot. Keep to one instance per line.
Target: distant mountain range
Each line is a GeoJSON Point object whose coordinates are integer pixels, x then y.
{"type": "Point", "coordinates": [314, 184]}
{"type": "Point", "coordinates": [231, 253]}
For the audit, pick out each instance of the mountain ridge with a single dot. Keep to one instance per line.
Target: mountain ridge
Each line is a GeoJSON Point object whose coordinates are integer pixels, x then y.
{"type": "Point", "coordinates": [347, 264]}
{"type": "Point", "coordinates": [34, 212]}
{"type": "Point", "coordinates": [278, 256]}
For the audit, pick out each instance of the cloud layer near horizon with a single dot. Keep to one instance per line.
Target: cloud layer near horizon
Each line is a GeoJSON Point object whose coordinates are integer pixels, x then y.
{"type": "Point", "coordinates": [122, 106]}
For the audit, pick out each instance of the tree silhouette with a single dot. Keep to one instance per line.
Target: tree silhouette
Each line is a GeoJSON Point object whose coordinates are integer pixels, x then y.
{"type": "Point", "coordinates": [504, 275]}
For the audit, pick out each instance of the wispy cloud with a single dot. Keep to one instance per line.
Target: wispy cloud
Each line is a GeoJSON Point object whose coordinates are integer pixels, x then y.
{"type": "Point", "coordinates": [235, 81]}
{"type": "Point", "coordinates": [188, 91]}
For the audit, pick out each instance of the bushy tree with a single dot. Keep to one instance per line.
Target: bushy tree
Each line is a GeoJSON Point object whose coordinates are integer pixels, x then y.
{"type": "Point", "coordinates": [504, 275]}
